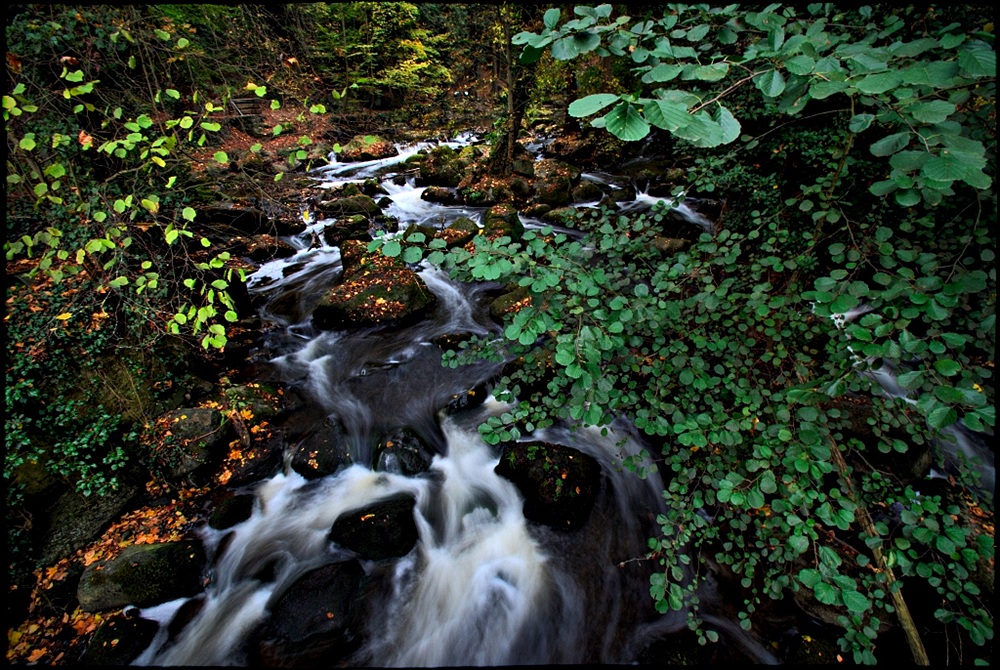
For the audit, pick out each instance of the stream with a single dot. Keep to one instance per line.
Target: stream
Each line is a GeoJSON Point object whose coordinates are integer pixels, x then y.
{"type": "Point", "coordinates": [482, 585]}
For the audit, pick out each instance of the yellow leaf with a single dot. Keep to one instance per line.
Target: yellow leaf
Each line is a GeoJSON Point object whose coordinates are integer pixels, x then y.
{"type": "Point", "coordinates": [64, 316]}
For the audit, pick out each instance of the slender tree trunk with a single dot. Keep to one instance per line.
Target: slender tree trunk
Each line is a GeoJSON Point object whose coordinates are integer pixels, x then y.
{"type": "Point", "coordinates": [519, 80]}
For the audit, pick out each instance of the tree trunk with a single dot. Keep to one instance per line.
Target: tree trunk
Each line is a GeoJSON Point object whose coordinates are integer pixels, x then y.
{"type": "Point", "coordinates": [520, 78]}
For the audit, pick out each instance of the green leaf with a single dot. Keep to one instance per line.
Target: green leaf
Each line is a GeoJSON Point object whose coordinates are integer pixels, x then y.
{"type": "Point", "coordinates": [942, 417]}
{"type": "Point", "coordinates": [945, 167]}
{"type": "Point", "coordinates": [221, 157]}
{"type": "Point", "coordinates": [855, 602]}
{"type": "Point", "coordinates": [625, 122]}
{"type": "Point", "coordinates": [713, 72]}
{"type": "Point", "coordinates": [891, 144]}
{"type": "Point", "coordinates": [591, 104]}
{"type": "Point", "coordinates": [826, 593]}
{"type": "Point", "coordinates": [911, 380]}
{"type": "Point", "coordinates": [391, 248]}
{"type": "Point", "coordinates": [978, 60]}
{"type": "Point", "coordinates": [879, 82]}
{"type": "Point", "coordinates": [770, 83]}
{"type": "Point", "coordinates": [667, 115]}
{"type": "Point", "coordinates": [934, 111]}
{"type": "Point", "coordinates": [947, 367]}
{"type": "Point", "coordinates": [860, 122]}
{"type": "Point", "coordinates": [551, 18]}
{"type": "Point", "coordinates": [413, 254]}
{"type": "Point", "coordinates": [188, 213]}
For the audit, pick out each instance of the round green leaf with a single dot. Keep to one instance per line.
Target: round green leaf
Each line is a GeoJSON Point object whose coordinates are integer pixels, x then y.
{"type": "Point", "coordinates": [591, 104]}
{"type": "Point", "coordinates": [625, 122]}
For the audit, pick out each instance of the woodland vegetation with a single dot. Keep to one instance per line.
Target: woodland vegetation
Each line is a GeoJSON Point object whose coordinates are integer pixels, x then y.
{"type": "Point", "coordinates": [854, 153]}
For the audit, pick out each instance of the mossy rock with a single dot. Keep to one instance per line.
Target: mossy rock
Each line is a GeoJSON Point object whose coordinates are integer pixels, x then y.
{"type": "Point", "coordinates": [143, 575]}
{"type": "Point", "coordinates": [366, 148]}
{"type": "Point", "coordinates": [459, 232]}
{"type": "Point", "coordinates": [197, 442]}
{"type": "Point", "coordinates": [352, 204]}
{"type": "Point", "coordinates": [502, 219]}
{"type": "Point", "coordinates": [510, 302]}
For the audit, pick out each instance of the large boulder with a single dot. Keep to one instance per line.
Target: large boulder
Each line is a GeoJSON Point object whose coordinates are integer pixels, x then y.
{"type": "Point", "coordinates": [559, 484]}
{"type": "Point", "coordinates": [231, 511]}
{"type": "Point", "coordinates": [384, 529]}
{"type": "Point", "coordinates": [374, 290]}
{"type": "Point", "coordinates": [366, 148]}
{"type": "Point", "coordinates": [348, 205]}
{"type": "Point", "coordinates": [459, 232]}
{"type": "Point", "coordinates": [440, 167]}
{"type": "Point", "coordinates": [554, 182]}
{"type": "Point", "coordinates": [143, 575]}
{"type": "Point", "coordinates": [315, 622]}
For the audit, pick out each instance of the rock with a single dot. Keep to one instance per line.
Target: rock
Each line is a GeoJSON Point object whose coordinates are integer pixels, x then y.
{"type": "Point", "coordinates": [554, 182]}
{"type": "Point", "coordinates": [321, 452]}
{"type": "Point", "coordinates": [461, 231]}
{"type": "Point", "coordinates": [197, 443]}
{"type": "Point", "coordinates": [440, 167]}
{"type": "Point", "coordinates": [232, 511]}
{"type": "Point", "coordinates": [75, 519]}
{"type": "Point", "coordinates": [263, 248]}
{"type": "Point", "coordinates": [120, 640]}
{"type": "Point", "coordinates": [355, 227]}
{"type": "Point", "coordinates": [537, 210]}
{"type": "Point", "coordinates": [403, 452]}
{"type": "Point", "coordinates": [366, 148]}
{"type": "Point", "coordinates": [502, 220]}
{"type": "Point", "coordinates": [382, 530]}
{"type": "Point", "coordinates": [440, 194]}
{"type": "Point", "coordinates": [560, 215]}
{"type": "Point", "coordinates": [559, 484]}
{"type": "Point", "coordinates": [509, 303]}
{"type": "Point", "coordinates": [262, 400]}
{"type": "Point", "coordinates": [470, 399]}
{"type": "Point", "coordinates": [377, 291]}
{"type": "Point", "coordinates": [587, 191]}
{"type": "Point", "coordinates": [670, 245]}
{"type": "Point", "coordinates": [248, 221]}
{"type": "Point", "coordinates": [352, 204]}
{"type": "Point", "coordinates": [143, 575]}
{"type": "Point", "coordinates": [315, 622]}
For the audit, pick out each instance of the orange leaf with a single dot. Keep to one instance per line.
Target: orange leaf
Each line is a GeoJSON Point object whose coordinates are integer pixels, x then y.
{"type": "Point", "coordinates": [35, 655]}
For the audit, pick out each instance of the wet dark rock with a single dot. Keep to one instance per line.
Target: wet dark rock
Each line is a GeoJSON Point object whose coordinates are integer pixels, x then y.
{"type": "Point", "coordinates": [197, 444]}
{"type": "Point", "coordinates": [184, 615]}
{"type": "Point", "coordinates": [374, 290]}
{"type": "Point", "coordinates": [352, 204]}
{"type": "Point", "coordinates": [440, 167]}
{"type": "Point", "coordinates": [523, 166]}
{"type": "Point", "coordinates": [459, 232]}
{"type": "Point", "coordinates": [263, 248]}
{"type": "Point", "coordinates": [670, 245]}
{"type": "Point", "coordinates": [355, 227]}
{"type": "Point", "coordinates": [404, 452]}
{"type": "Point", "coordinates": [373, 187]}
{"type": "Point", "coordinates": [143, 575]}
{"type": "Point", "coordinates": [315, 622]}
{"type": "Point", "coordinates": [501, 220]}
{"type": "Point", "coordinates": [560, 215]}
{"type": "Point", "coordinates": [427, 231]}
{"type": "Point", "coordinates": [366, 148]}
{"type": "Point", "coordinates": [537, 210]}
{"type": "Point", "coordinates": [559, 484]}
{"type": "Point", "coordinates": [554, 182]}
{"type": "Point", "coordinates": [74, 520]}
{"type": "Point", "coordinates": [263, 401]}
{"type": "Point", "coordinates": [439, 194]}
{"type": "Point", "coordinates": [521, 188]}
{"type": "Point", "coordinates": [470, 399]}
{"type": "Point", "coordinates": [587, 191]}
{"type": "Point", "coordinates": [245, 221]}
{"type": "Point", "coordinates": [119, 641]}
{"type": "Point", "coordinates": [382, 530]}
{"type": "Point", "coordinates": [232, 511]}
{"type": "Point", "coordinates": [510, 302]}
{"type": "Point", "coordinates": [321, 452]}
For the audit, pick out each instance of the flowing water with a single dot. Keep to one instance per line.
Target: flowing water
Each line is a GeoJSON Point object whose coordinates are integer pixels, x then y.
{"type": "Point", "coordinates": [482, 586]}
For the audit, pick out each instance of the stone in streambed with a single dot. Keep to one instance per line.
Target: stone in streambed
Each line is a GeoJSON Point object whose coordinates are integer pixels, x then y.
{"type": "Point", "coordinates": [384, 529]}
{"type": "Point", "coordinates": [559, 484]}
{"type": "Point", "coordinates": [143, 575]}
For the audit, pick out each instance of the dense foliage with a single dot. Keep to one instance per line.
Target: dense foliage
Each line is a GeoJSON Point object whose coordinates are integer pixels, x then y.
{"type": "Point", "coordinates": [751, 356]}
{"type": "Point", "coordinates": [854, 151]}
